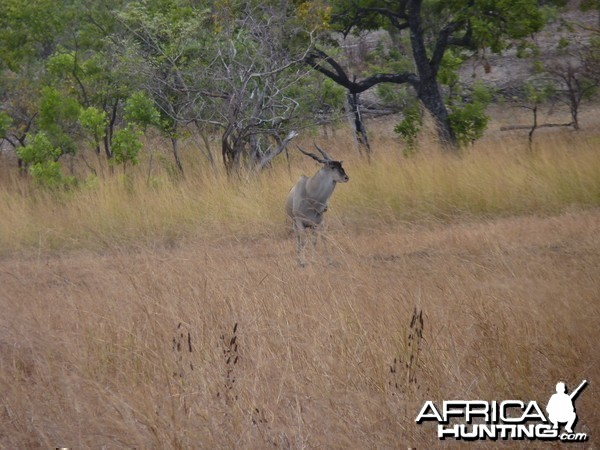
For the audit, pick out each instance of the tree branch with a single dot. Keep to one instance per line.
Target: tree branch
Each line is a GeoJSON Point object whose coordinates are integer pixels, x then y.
{"type": "Point", "coordinates": [339, 75]}
{"type": "Point", "coordinates": [528, 127]}
{"type": "Point", "coordinates": [446, 39]}
{"type": "Point", "coordinates": [396, 78]}
{"type": "Point", "coordinates": [397, 18]}
{"type": "Point", "coordinates": [273, 152]}
{"type": "Point", "coordinates": [441, 45]}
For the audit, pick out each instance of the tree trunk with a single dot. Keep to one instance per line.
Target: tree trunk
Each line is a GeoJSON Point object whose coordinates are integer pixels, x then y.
{"type": "Point", "coordinates": [428, 89]}
{"type": "Point", "coordinates": [232, 148]}
{"type": "Point", "coordinates": [574, 107]}
{"type": "Point", "coordinates": [359, 127]}
{"type": "Point", "coordinates": [255, 151]}
{"type": "Point", "coordinates": [227, 151]}
{"type": "Point", "coordinates": [533, 127]}
{"type": "Point", "coordinates": [207, 152]}
{"type": "Point", "coordinates": [108, 135]}
{"type": "Point", "coordinates": [175, 146]}
{"type": "Point", "coordinates": [429, 94]}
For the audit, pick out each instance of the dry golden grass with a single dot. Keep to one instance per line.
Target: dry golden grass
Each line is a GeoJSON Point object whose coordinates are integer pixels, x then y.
{"type": "Point", "coordinates": [95, 347]}
{"type": "Point", "coordinates": [174, 315]}
{"type": "Point", "coordinates": [496, 178]}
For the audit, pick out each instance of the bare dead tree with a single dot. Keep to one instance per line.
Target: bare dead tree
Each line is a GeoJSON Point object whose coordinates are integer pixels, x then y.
{"type": "Point", "coordinates": [577, 76]}
{"type": "Point", "coordinates": [251, 103]}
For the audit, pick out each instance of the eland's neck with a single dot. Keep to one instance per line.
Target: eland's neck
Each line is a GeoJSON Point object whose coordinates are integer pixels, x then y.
{"type": "Point", "coordinates": [320, 186]}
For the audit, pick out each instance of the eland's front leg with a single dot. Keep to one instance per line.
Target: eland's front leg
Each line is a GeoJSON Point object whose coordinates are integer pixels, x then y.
{"type": "Point", "coordinates": [300, 231]}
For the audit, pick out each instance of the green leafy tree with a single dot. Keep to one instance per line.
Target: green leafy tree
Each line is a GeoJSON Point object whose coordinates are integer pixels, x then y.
{"type": "Point", "coordinates": [41, 157]}
{"type": "Point", "coordinates": [29, 30]}
{"type": "Point", "coordinates": [164, 42]}
{"type": "Point", "coordinates": [433, 28]}
{"type": "Point", "coordinates": [468, 118]}
{"type": "Point", "coordinates": [94, 121]}
{"type": "Point", "coordinates": [19, 97]}
{"type": "Point", "coordinates": [57, 118]}
{"type": "Point", "coordinates": [5, 122]}
{"type": "Point", "coordinates": [29, 33]}
{"type": "Point", "coordinates": [85, 66]}
{"type": "Point", "coordinates": [140, 109]}
{"type": "Point", "coordinates": [126, 147]}
{"type": "Point", "coordinates": [409, 127]}
{"type": "Point", "coordinates": [53, 53]}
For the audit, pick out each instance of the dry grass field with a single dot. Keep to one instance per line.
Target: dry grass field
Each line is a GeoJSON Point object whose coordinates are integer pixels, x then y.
{"type": "Point", "coordinates": [173, 315]}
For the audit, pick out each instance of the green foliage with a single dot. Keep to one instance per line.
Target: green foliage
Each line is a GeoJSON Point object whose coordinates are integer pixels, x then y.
{"type": "Point", "coordinates": [594, 55]}
{"type": "Point", "coordinates": [168, 29]}
{"type": "Point", "coordinates": [317, 95]}
{"type": "Point", "coordinates": [90, 66]}
{"type": "Point", "coordinates": [5, 122]}
{"type": "Point", "coordinates": [39, 150]}
{"type": "Point", "coordinates": [168, 41]}
{"type": "Point", "coordinates": [469, 120]}
{"type": "Point", "coordinates": [331, 93]}
{"type": "Point", "coordinates": [48, 174]}
{"type": "Point", "coordinates": [451, 62]}
{"type": "Point", "coordinates": [589, 5]}
{"type": "Point", "coordinates": [538, 93]}
{"type": "Point", "coordinates": [409, 127]}
{"type": "Point", "coordinates": [589, 88]}
{"type": "Point", "coordinates": [313, 16]}
{"type": "Point", "coordinates": [41, 158]}
{"type": "Point", "coordinates": [126, 146]}
{"type": "Point", "coordinates": [442, 34]}
{"type": "Point", "coordinates": [563, 43]}
{"type": "Point", "coordinates": [497, 23]}
{"type": "Point", "coordinates": [140, 109]}
{"type": "Point", "coordinates": [538, 67]}
{"type": "Point", "coordinates": [93, 120]}
{"type": "Point", "coordinates": [57, 116]}
{"type": "Point", "coordinates": [388, 59]}
{"type": "Point", "coordinates": [29, 28]}
{"type": "Point", "coordinates": [394, 95]}
{"type": "Point", "coordinates": [61, 64]}
{"type": "Point", "coordinates": [482, 94]}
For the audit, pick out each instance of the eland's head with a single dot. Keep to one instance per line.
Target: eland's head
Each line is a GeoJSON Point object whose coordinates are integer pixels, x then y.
{"type": "Point", "coordinates": [331, 166]}
{"type": "Point", "coordinates": [338, 174]}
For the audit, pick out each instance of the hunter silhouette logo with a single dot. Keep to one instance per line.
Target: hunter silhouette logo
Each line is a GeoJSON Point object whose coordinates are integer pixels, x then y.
{"type": "Point", "coordinates": [560, 406]}
{"type": "Point", "coordinates": [508, 419]}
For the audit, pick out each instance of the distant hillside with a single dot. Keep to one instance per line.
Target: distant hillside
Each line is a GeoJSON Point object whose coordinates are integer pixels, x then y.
{"type": "Point", "coordinates": [507, 71]}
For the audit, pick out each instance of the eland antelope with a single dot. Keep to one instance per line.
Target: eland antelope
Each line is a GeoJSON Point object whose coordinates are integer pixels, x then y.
{"type": "Point", "coordinates": [307, 200]}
